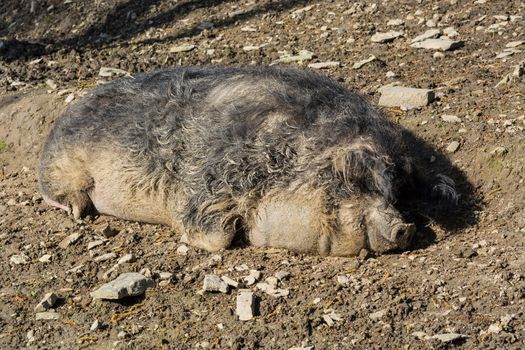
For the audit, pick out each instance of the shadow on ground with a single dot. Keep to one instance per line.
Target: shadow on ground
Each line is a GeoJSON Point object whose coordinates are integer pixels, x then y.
{"type": "Point", "coordinates": [128, 20]}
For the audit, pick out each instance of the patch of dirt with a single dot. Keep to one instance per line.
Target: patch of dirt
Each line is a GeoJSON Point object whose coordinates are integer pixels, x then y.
{"type": "Point", "coordinates": [470, 281]}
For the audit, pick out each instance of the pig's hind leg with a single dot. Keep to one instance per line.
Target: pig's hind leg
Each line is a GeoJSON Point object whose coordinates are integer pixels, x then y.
{"type": "Point", "coordinates": [211, 226]}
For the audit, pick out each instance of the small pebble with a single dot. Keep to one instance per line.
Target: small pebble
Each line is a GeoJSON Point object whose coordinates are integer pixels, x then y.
{"type": "Point", "coordinates": [452, 147]}
{"type": "Point", "coordinates": [19, 259]}
{"type": "Point", "coordinates": [48, 301]}
{"type": "Point", "coordinates": [182, 249]}
{"type": "Point", "coordinates": [71, 239]}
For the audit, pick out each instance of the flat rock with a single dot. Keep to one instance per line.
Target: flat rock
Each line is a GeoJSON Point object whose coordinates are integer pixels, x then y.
{"type": "Point", "coordinates": [361, 63]}
{"type": "Point", "coordinates": [45, 258]}
{"type": "Point", "coordinates": [448, 337]}
{"type": "Point", "coordinates": [229, 281]}
{"type": "Point", "coordinates": [183, 249]}
{"type": "Point", "coordinates": [126, 258]}
{"type": "Point", "coordinates": [107, 72]}
{"type": "Point", "coordinates": [213, 283]}
{"type": "Point", "coordinates": [395, 22]}
{"type": "Point", "coordinates": [47, 302]}
{"type": "Point", "coordinates": [452, 147]}
{"type": "Point", "coordinates": [429, 34]}
{"type": "Point", "coordinates": [386, 37]}
{"type": "Point", "coordinates": [19, 259]}
{"type": "Point", "coordinates": [127, 284]}
{"type": "Point", "coordinates": [182, 48]}
{"type": "Point", "coordinates": [245, 305]}
{"type": "Point", "coordinates": [303, 55]}
{"type": "Point", "coordinates": [449, 118]}
{"type": "Point", "coordinates": [451, 32]}
{"type": "Point", "coordinates": [441, 44]}
{"type": "Point", "coordinates": [105, 257]}
{"type": "Point", "coordinates": [516, 43]}
{"type": "Point", "coordinates": [48, 315]}
{"type": "Point", "coordinates": [323, 65]}
{"type": "Point", "coordinates": [399, 96]}
{"type": "Point", "coordinates": [94, 244]}
{"type": "Point", "coordinates": [71, 239]}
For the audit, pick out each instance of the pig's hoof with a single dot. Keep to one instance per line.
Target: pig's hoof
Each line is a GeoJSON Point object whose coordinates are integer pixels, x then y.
{"type": "Point", "coordinates": [210, 241]}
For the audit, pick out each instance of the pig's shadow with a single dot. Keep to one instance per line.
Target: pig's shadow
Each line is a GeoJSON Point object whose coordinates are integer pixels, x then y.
{"type": "Point", "coordinates": [425, 212]}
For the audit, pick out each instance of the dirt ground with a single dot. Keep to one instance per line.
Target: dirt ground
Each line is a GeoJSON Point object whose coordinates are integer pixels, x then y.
{"type": "Point", "coordinates": [468, 279]}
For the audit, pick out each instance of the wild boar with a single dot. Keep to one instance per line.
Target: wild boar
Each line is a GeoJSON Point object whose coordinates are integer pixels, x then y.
{"type": "Point", "coordinates": [286, 158]}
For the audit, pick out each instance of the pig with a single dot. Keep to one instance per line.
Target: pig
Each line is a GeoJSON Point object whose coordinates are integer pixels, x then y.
{"type": "Point", "coordinates": [278, 157]}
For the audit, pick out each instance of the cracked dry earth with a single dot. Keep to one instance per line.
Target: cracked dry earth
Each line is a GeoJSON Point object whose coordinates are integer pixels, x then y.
{"type": "Point", "coordinates": [461, 287]}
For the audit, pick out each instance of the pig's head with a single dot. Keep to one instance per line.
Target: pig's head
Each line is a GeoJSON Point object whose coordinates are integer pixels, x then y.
{"type": "Point", "coordinates": [371, 224]}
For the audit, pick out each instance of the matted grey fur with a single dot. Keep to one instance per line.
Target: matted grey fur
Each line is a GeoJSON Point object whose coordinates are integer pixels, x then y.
{"type": "Point", "coordinates": [287, 157]}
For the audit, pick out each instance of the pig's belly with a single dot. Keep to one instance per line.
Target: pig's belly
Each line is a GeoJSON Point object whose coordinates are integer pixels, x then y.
{"type": "Point", "coordinates": [115, 198]}
{"type": "Point", "coordinates": [287, 224]}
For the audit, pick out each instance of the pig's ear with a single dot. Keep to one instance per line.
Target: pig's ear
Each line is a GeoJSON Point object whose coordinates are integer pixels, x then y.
{"type": "Point", "coordinates": [443, 189]}
{"type": "Point", "coordinates": [361, 165]}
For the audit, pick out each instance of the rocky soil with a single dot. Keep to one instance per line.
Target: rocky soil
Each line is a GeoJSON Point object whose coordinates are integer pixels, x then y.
{"type": "Point", "coordinates": [460, 286]}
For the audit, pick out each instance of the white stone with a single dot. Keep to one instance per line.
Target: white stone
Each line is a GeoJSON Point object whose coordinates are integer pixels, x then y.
{"type": "Point", "coordinates": [395, 22]}
{"type": "Point", "coordinates": [94, 326]}
{"type": "Point", "coordinates": [449, 118]}
{"type": "Point", "coordinates": [94, 244]}
{"type": "Point", "coordinates": [213, 283]}
{"type": "Point", "coordinates": [386, 37]}
{"type": "Point", "coordinates": [513, 44]}
{"type": "Point", "coordinates": [182, 249]}
{"type": "Point", "coordinates": [229, 281]}
{"type": "Point", "coordinates": [48, 301]}
{"type": "Point", "coordinates": [343, 280]}
{"type": "Point", "coordinates": [323, 65]}
{"type": "Point", "coordinates": [19, 259]}
{"type": "Point", "coordinates": [303, 55]}
{"type": "Point", "coordinates": [399, 96]}
{"type": "Point", "coordinates": [127, 284]}
{"type": "Point", "coordinates": [448, 337]}
{"type": "Point", "coordinates": [165, 275]}
{"type": "Point", "coordinates": [127, 258]}
{"type": "Point", "coordinates": [377, 315]}
{"type": "Point", "coordinates": [451, 32]}
{"type": "Point", "coordinates": [105, 257]}
{"type": "Point", "coordinates": [48, 315]}
{"type": "Point", "coordinates": [245, 305]}
{"type": "Point", "coordinates": [452, 147]}
{"type": "Point", "coordinates": [429, 34]}
{"type": "Point", "coordinates": [71, 239]}
{"type": "Point", "coordinates": [45, 258]}
{"type": "Point", "coordinates": [282, 275]}
{"type": "Point", "coordinates": [361, 63]}
{"type": "Point", "coordinates": [441, 44]}
{"type": "Point", "coordinates": [182, 48]}
{"type": "Point", "coordinates": [107, 72]}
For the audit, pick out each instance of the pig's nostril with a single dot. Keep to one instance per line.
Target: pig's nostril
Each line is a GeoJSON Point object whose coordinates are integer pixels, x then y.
{"type": "Point", "coordinates": [402, 232]}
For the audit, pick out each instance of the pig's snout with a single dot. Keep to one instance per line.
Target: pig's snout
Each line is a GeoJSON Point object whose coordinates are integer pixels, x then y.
{"type": "Point", "coordinates": [386, 229]}
{"type": "Point", "coordinates": [402, 234]}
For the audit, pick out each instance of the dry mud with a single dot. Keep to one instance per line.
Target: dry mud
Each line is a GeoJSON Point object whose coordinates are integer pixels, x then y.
{"type": "Point", "coordinates": [467, 279]}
